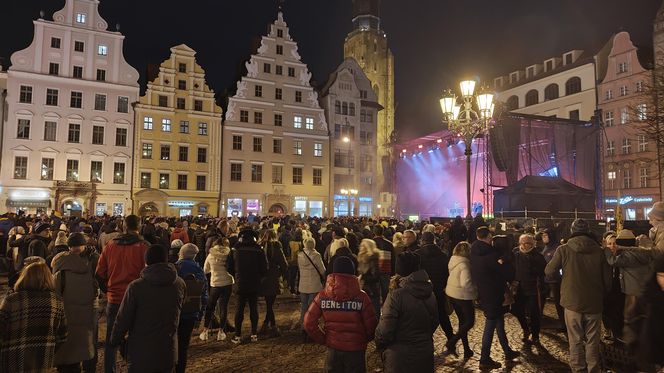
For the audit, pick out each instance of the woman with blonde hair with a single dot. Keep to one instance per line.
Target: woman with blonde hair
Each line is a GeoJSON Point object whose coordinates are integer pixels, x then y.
{"type": "Point", "coordinates": [32, 322]}
{"type": "Point", "coordinates": [461, 292]}
{"type": "Point", "coordinates": [398, 243]}
{"type": "Point", "coordinates": [367, 260]}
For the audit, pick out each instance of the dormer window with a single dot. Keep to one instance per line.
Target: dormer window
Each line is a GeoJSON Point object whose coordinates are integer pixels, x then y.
{"type": "Point", "coordinates": [498, 82]}
{"type": "Point", "coordinates": [80, 17]}
{"type": "Point", "coordinates": [514, 77]}
{"type": "Point", "coordinates": [549, 65]}
{"type": "Point", "coordinates": [280, 33]}
{"type": "Point", "coordinates": [530, 72]}
{"type": "Point", "coordinates": [568, 58]}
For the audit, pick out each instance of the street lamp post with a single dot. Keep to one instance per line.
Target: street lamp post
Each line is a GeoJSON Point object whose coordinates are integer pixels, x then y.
{"type": "Point", "coordinates": [468, 120]}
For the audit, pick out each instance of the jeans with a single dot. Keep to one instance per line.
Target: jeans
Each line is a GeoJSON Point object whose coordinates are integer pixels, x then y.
{"type": "Point", "coordinates": [243, 299]}
{"type": "Point", "coordinates": [443, 317]}
{"type": "Point", "coordinates": [292, 278]}
{"type": "Point", "coordinates": [223, 296]}
{"type": "Point", "coordinates": [185, 328]}
{"type": "Point", "coordinates": [384, 287]}
{"type": "Point", "coordinates": [305, 301]}
{"type": "Point", "coordinates": [345, 361]}
{"type": "Point", "coordinates": [110, 353]}
{"type": "Point", "coordinates": [466, 315]}
{"type": "Point", "coordinates": [497, 325]}
{"type": "Point", "coordinates": [269, 310]}
{"type": "Point", "coordinates": [527, 311]}
{"type": "Point", "coordinates": [583, 333]}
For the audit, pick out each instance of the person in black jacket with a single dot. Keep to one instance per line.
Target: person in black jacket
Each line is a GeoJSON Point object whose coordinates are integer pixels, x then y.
{"type": "Point", "coordinates": [386, 259]}
{"type": "Point", "coordinates": [434, 261]}
{"type": "Point", "coordinates": [491, 272]}
{"type": "Point", "coordinates": [529, 265]}
{"type": "Point", "coordinates": [249, 267]}
{"type": "Point", "coordinates": [150, 313]}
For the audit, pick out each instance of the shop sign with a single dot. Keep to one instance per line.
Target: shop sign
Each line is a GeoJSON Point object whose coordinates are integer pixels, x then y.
{"type": "Point", "coordinates": [181, 204]}
{"type": "Point", "coordinates": [628, 199]}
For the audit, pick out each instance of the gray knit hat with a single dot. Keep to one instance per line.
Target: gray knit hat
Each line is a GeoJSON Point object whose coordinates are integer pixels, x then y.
{"type": "Point", "coordinates": [188, 251]}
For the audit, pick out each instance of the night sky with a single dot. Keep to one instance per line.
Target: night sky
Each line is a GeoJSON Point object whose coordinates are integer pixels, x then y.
{"type": "Point", "coordinates": [435, 42]}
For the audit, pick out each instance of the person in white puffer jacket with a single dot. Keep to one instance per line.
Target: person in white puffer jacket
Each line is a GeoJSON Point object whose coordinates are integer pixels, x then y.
{"type": "Point", "coordinates": [221, 285]}
{"type": "Point", "coordinates": [312, 272]}
{"type": "Point", "coordinates": [461, 292]}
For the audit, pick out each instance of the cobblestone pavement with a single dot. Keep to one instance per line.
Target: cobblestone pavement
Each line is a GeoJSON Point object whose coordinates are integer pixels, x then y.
{"type": "Point", "coordinates": [288, 353]}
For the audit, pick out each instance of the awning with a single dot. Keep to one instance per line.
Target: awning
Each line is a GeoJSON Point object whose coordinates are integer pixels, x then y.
{"type": "Point", "coordinates": [46, 203]}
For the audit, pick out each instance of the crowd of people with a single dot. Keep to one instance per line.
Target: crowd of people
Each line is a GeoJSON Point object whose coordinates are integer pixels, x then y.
{"type": "Point", "coordinates": [162, 281]}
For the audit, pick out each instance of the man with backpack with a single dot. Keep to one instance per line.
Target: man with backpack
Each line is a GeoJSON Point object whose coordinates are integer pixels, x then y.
{"type": "Point", "coordinates": [193, 307]}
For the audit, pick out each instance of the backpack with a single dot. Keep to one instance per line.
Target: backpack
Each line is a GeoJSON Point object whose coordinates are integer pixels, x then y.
{"type": "Point", "coordinates": [192, 300]}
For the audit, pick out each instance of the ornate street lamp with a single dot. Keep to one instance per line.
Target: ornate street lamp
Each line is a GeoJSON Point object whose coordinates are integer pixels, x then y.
{"type": "Point", "coordinates": [468, 117]}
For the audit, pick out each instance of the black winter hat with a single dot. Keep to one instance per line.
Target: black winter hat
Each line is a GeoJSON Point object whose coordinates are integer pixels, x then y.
{"type": "Point", "coordinates": [428, 237]}
{"type": "Point", "coordinates": [76, 239]}
{"type": "Point", "coordinates": [580, 226]}
{"type": "Point", "coordinates": [343, 264]}
{"type": "Point", "coordinates": [156, 254]}
{"type": "Point", "coordinates": [247, 236]}
{"type": "Point", "coordinates": [40, 227]}
{"type": "Point", "coordinates": [407, 263]}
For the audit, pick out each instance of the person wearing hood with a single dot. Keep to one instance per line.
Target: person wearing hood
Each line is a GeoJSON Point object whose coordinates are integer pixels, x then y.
{"type": "Point", "coordinates": [59, 246]}
{"type": "Point", "coordinates": [150, 313]}
{"type": "Point", "coordinates": [369, 271]}
{"type": "Point", "coordinates": [312, 278]}
{"type": "Point", "coordinates": [350, 319]}
{"type": "Point", "coordinates": [180, 233]}
{"type": "Point", "coordinates": [188, 269]}
{"type": "Point", "coordinates": [249, 268]}
{"type": "Point", "coordinates": [529, 273]}
{"type": "Point", "coordinates": [74, 282]}
{"type": "Point", "coordinates": [434, 261]}
{"type": "Point", "coordinates": [120, 263]}
{"type": "Point", "coordinates": [217, 264]}
{"type": "Point", "coordinates": [582, 261]}
{"type": "Point", "coordinates": [35, 244]}
{"type": "Point", "coordinates": [409, 317]}
{"type": "Point", "coordinates": [491, 273]}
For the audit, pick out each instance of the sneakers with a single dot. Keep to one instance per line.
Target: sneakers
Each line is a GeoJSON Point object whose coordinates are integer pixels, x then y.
{"type": "Point", "coordinates": [254, 338]}
{"type": "Point", "coordinates": [490, 364]}
{"type": "Point", "coordinates": [236, 340]}
{"type": "Point", "coordinates": [221, 336]}
{"type": "Point", "coordinates": [205, 335]}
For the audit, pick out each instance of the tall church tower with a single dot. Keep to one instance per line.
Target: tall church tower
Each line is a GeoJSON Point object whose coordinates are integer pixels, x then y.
{"type": "Point", "coordinates": [367, 44]}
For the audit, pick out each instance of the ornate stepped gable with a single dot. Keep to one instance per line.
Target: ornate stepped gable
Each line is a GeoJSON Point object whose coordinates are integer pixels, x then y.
{"type": "Point", "coordinates": [267, 52]}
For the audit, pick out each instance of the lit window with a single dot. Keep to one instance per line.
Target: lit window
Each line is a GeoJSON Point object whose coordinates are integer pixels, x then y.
{"type": "Point", "coordinates": [318, 149]}
{"type": "Point", "coordinates": [642, 111]}
{"type": "Point", "coordinates": [166, 125]}
{"type": "Point", "coordinates": [147, 123]}
{"type": "Point", "coordinates": [80, 18]}
{"type": "Point", "coordinates": [624, 115]}
{"type": "Point", "coordinates": [297, 147]}
{"type": "Point", "coordinates": [297, 121]}
{"type": "Point", "coordinates": [310, 123]}
{"type": "Point", "coordinates": [102, 50]}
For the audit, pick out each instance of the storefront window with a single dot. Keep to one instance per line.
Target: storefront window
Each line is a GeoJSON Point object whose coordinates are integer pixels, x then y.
{"type": "Point", "coordinates": [118, 209]}
{"type": "Point", "coordinates": [253, 206]}
{"type": "Point", "coordinates": [300, 207]}
{"type": "Point", "coordinates": [234, 207]}
{"type": "Point", "coordinates": [100, 209]}
{"type": "Point", "coordinates": [185, 212]}
{"type": "Point", "coordinates": [630, 214]}
{"type": "Point", "coordinates": [340, 208]}
{"type": "Point", "coordinates": [202, 209]}
{"type": "Point", "coordinates": [316, 208]}
{"type": "Point", "coordinates": [365, 209]}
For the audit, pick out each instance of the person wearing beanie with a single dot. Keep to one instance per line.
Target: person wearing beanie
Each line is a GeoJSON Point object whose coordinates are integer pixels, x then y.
{"type": "Point", "coordinates": [150, 314]}
{"type": "Point", "coordinates": [635, 269]}
{"type": "Point", "coordinates": [74, 282]}
{"type": "Point", "coordinates": [529, 267]}
{"type": "Point", "coordinates": [120, 263]}
{"type": "Point", "coordinates": [350, 319]}
{"type": "Point", "coordinates": [194, 306]}
{"type": "Point", "coordinates": [582, 261]}
{"type": "Point", "coordinates": [656, 218]}
{"type": "Point", "coordinates": [491, 273]}
{"type": "Point", "coordinates": [174, 251]}
{"type": "Point", "coordinates": [59, 246]}
{"type": "Point", "coordinates": [409, 318]}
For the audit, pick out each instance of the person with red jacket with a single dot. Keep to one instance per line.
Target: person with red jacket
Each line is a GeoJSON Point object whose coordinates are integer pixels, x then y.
{"type": "Point", "coordinates": [350, 319]}
{"type": "Point", "coordinates": [120, 263]}
{"type": "Point", "coordinates": [179, 233]}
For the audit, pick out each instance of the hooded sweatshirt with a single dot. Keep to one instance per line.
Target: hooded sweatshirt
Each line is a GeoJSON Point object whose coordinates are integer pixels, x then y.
{"type": "Point", "coordinates": [582, 261]}
{"type": "Point", "coordinates": [217, 265]}
{"type": "Point", "coordinates": [350, 319]}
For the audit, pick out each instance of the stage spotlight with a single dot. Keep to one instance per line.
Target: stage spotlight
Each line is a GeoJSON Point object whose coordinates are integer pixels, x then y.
{"type": "Point", "coordinates": [420, 146]}
{"type": "Point", "coordinates": [404, 151]}
{"type": "Point", "coordinates": [439, 141]}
